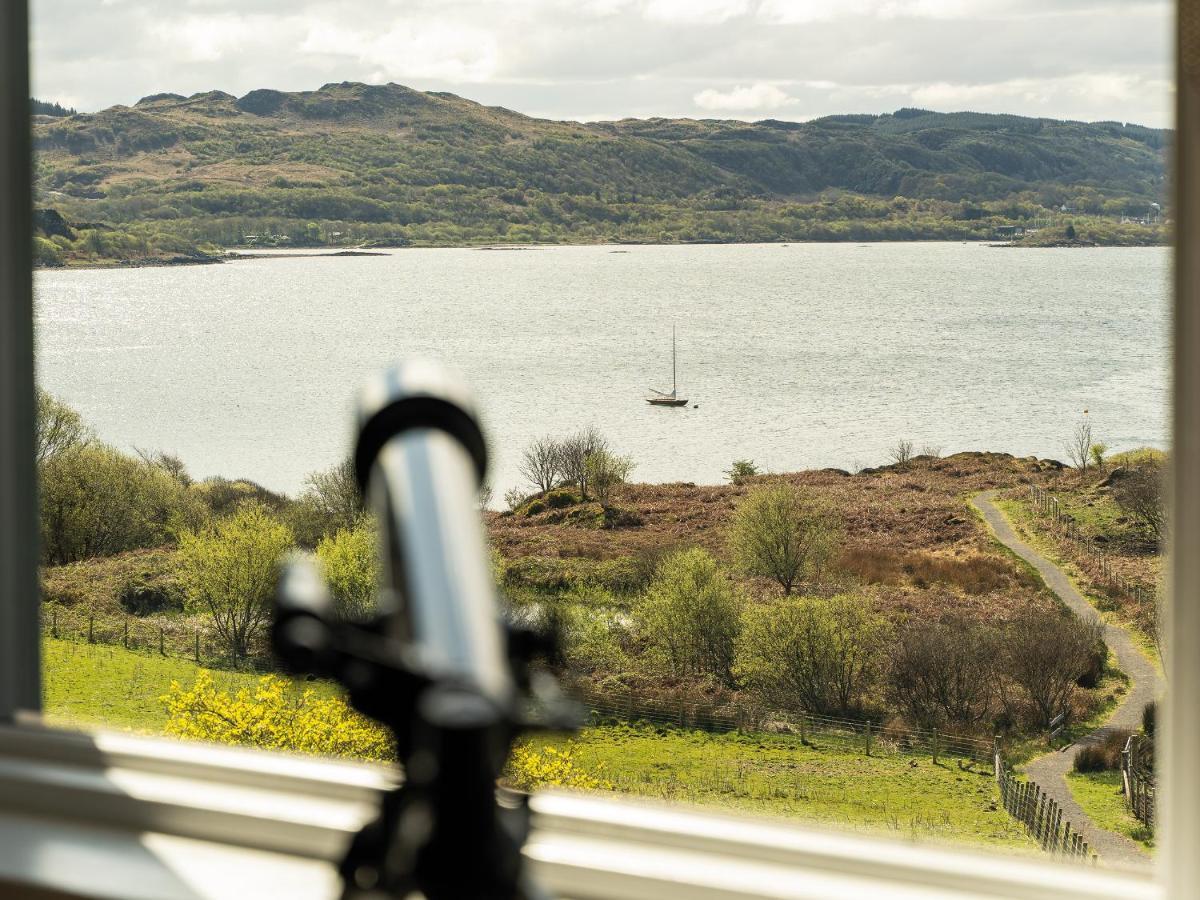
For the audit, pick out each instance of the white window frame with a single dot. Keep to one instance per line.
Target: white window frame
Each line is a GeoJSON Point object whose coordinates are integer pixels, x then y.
{"type": "Point", "coordinates": [109, 815]}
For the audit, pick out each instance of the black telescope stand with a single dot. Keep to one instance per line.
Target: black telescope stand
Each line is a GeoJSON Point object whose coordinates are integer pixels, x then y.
{"type": "Point", "coordinates": [436, 665]}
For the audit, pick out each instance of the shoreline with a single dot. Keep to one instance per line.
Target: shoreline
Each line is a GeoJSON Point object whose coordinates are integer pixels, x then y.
{"type": "Point", "coordinates": [239, 255]}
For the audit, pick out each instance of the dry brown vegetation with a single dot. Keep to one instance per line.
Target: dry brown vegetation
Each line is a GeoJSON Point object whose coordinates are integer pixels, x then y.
{"type": "Point", "coordinates": [907, 530]}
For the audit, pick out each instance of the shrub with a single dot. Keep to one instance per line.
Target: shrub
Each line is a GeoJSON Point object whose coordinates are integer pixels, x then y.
{"type": "Point", "coordinates": [530, 768]}
{"type": "Point", "coordinates": [229, 570]}
{"type": "Point", "coordinates": [1149, 717]}
{"type": "Point", "coordinates": [330, 502]}
{"type": "Point", "coordinates": [560, 498]}
{"type": "Point", "coordinates": [575, 451]}
{"type": "Point", "coordinates": [779, 532]}
{"type": "Point", "coordinates": [349, 561]}
{"type": "Point", "coordinates": [274, 715]}
{"type": "Point", "coordinates": [1140, 492]}
{"type": "Point", "coordinates": [58, 427]}
{"type": "Point", "coordinates": [816, 654]}
{"type": "Point", "coordinates": [140, 596]}
{"type": "Point", "coordinates": [97, 501]}
{"type": "Point", "coordinates": [1104, 754]}
{"type": "Point", "coordinates": [592, 641]}
{"type": "Point", "coordinates": [741, 470]}
{"type": "Point", "coordinates": [690, 617]}
{"type": "Point", "coordinates": [606, 471]}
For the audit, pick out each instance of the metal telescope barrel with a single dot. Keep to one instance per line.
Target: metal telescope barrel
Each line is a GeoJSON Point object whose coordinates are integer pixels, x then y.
{"type": "Point", "coordinates": [420, 459]}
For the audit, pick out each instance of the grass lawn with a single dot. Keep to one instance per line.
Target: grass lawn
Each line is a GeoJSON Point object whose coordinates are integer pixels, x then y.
{"type": "Point", "coordinates": [100, 685]}
{"type": "Point", "coordinates": [897, 795]}
{"type": "Point", "coordinates": [1099, 793]}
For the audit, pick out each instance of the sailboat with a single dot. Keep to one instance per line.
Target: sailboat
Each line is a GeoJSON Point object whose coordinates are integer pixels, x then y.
{"type": "Point", "coordinates": [661, 398]}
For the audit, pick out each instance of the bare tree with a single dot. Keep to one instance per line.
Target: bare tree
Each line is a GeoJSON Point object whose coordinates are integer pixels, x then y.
{"type": "Point", "coordinates": [902, 453]}
{"type": "Point", "coordinates": [943, 672]}
{"type": "Point", "coordinates": [1079, 447]}
{"type": "Point", "coordinates": [1045, 653]}
{"type": "Point", "coordinates": [59, 427]}
{"type": "Point", "coordinates": [542, 463]}
{"type": "Point", "coordinates": [575, 452]}
{"type": "Point", "coordinates": [1140, 492]}
{"type": "Point", "coordinates": [168, 462]}
{"type": "Point", "coordinates": [934, 451]}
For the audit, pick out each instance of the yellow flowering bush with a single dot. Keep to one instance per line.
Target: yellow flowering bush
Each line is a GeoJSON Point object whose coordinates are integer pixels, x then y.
{"type": "Point", "coordinates": [274, 715]}
{"type": "Point", "coordinates": [530, 768]}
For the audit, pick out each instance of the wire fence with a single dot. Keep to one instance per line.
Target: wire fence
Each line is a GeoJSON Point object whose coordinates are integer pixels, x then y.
{"type": "Point", "coordinates": [179, 640]}
{"type": "Point", "coordinates": [870, 737]}
{"type": "Point", "coordinates": [1025, 801]}
{"type": "Point", "coordinates": [1097, 561]}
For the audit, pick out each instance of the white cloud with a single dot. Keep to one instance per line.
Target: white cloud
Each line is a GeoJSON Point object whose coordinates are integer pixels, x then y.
{"type": "Point", "coordinates": [206, 38]}
{"type": "Point", "coordinates": [695, 12]}
{"type": "Point", "coordinates": [761, 97]}
{"type": "Point", "coordinates": [453, 53]}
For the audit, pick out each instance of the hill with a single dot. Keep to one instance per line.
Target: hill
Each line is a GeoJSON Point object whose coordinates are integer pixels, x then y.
{"type": "Point", "coordinates": [355, 163]}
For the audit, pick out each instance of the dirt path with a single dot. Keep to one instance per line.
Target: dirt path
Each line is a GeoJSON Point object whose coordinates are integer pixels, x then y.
{"type": "Point", "coordinates": [1050, 770]}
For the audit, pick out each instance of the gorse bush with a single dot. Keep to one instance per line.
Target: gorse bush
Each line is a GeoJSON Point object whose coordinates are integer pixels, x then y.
{"type": "Point", "coordinates": [274, 715]}
{"type": "Point", "coordinates": [530, 768]}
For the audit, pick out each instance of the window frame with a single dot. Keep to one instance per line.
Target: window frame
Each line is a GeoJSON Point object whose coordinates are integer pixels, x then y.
{"type": "Point", "coordinates": [60, 784]}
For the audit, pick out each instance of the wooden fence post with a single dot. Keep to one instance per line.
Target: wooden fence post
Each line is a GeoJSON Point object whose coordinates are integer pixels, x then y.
{"type": "Point", "coordinates": [197, 646]}
{"type": "Point", "coordinates": [54, 623]}
{"type": "Point", "coordinates": [868, 733]}
{"type": "Point", "coordinates": [162, 648]}
{"type": "Point", "coordinates": [91, 629]}
{"type": "Point", "coordinates": [935, 746]}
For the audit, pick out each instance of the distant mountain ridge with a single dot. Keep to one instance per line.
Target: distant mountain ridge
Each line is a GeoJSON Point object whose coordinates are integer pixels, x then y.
{"type": "Point", "coordinates": [411, 166]}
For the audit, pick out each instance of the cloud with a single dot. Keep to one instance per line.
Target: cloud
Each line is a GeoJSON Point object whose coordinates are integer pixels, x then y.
{"type": "Point", "coordinates": [411, 49]}
{"type": "Point", "coordinates": [1106, 59]}
{"type": "Point", "coordinates": [761, 97]}
{"type": "Point", "coordinates": [695, 12]}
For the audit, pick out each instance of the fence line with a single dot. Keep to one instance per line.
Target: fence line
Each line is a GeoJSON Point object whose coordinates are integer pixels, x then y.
{"type": "Point", "coordinates": [1040, 814]}
{"type": "Point", "coordinates": [1046, 505]}
{"type": "Point", "coordinates": [1025, 801]}
{"type": "Point", "coordinates": [172, 640]}
{"type": "Point", "coordinates": [1137, 777]}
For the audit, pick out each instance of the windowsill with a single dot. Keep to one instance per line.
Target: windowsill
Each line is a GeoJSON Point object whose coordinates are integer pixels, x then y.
{"type": "Point", "coordinates": [110, 815]}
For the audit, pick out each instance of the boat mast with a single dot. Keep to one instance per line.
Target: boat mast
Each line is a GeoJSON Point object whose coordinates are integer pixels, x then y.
{"type": "Point", "coordinates": [672, 360]}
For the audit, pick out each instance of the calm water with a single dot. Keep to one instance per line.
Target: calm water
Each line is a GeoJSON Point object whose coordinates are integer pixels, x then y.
{"type": "Point", "coordinates": [798, 356]}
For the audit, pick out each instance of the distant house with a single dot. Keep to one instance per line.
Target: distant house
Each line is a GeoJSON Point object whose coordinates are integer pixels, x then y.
{"type": "Point", "coordinates": [1010, 232]}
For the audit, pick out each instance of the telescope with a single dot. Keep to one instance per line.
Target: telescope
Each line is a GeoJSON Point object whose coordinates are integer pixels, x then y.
{"type": "Point", "coordinates": [436, 663]}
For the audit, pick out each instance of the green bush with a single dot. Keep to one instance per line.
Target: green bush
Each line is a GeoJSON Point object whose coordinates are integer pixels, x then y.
{"type": "Point", "coordinates": [690, 616]}
{"type": "Point", "coordinates": [229, 571]}
{"type": "Point", "coordinates": [349, 561]}
{"type": "Point", "coordinates": [821, 655]}
{"type": "Point", "coordinates": [782, 533]}
{"type": "Point", "coordinates": [1104, 754]}
{"type": "Point", "coordinates": [97, 501]}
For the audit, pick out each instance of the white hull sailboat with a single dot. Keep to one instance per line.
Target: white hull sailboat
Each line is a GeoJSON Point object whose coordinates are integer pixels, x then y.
{"type": "Point", "coordinates": [661, 398]}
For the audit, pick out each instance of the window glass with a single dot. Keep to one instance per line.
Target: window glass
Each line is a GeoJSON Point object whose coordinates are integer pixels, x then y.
{"type": "Point", "coordinates": [822, 361]}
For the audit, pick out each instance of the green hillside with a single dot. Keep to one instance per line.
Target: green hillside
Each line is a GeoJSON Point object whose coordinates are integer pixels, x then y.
{"type": "Point", "coordinates": [353, 163]}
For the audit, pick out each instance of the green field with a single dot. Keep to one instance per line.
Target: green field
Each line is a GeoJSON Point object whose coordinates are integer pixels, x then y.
{"type": "Point", "coordinates": [1099, 793]}
{"type": "Point", "coordinates": [896, 794]}
{"type": "Point", "coordinates": [94, 684]}
{"type": "Point", "coordinates": [900, 795]}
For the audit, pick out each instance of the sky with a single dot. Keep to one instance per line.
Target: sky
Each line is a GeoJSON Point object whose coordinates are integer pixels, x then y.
{"type": "Point", "coordinates": [609, 59]}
